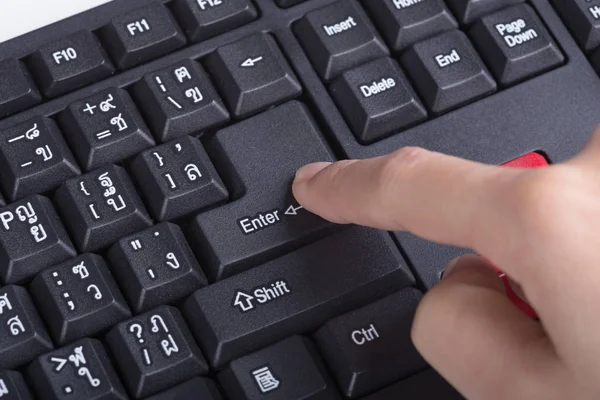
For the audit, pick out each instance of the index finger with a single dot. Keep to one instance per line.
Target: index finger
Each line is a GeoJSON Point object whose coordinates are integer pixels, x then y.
{"type": "Point", "coordinates": [435, 196]}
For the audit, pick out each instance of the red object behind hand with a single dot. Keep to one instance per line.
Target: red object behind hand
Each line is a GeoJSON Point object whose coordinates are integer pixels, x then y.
{"type": "Point", "coordinates": [529, 160]}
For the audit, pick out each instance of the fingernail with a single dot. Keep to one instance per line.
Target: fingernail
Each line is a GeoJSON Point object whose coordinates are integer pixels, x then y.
{"type": "Point", "coordinates": [309, 171]}
{"type": "Point", "coordinates": [450, 267]}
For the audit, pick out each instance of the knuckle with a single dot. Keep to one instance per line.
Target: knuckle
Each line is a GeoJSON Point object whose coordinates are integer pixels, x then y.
{"type": "Point", "coordinates": [336, 173]}
{"type": "Point", "coordinates": [400, 164]}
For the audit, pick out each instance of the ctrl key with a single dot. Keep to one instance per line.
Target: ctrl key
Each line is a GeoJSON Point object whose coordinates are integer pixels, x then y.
{"type": "Point", "coordinates": [273, 373]}
{"type": "Point", "coordinates": [379, 331]}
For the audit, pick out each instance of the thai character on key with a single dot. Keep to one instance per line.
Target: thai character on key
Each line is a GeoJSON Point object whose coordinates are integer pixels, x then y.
{"type": "Point", "coordinates": [97, 293]}
{"type": "Point", "coordinates": [113, 203]}
{"type": "Point", "coordinates": [3, 388]}
{"type": "Point", "coordinates": [32, 133]}
{"type": "Point", "coordinates": [26, 213]}
{"type": "Point", "coordinates": [81, 270]}
{"type": "Point", "coordinates": [154, 320]}
{"type": "Point", "coordinates": [77, 358]}
{"type": "Point", "coordinates": [39, 233]}
{"type": "Point", "coordinates": [83, 371]}
{"type": "Point", "coordinates": [172, 261]}
{"type": "Point", "coordinates": [45, 152]}
{"type": "Point", "coordinates": [4, 302]}
{"type": "Point", "coordinates": [111, 191]}
{"type": "Point", "coordinates": [192, 171]}
{"type": "Point", "coordinates": [105, 181]}
{"type": "Point", "coordinates": [169, 347]}
{"type": "Point", "coordinates": [15, 325]}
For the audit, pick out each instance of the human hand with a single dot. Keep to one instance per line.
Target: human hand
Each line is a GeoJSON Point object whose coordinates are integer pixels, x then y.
{"type": "Point", "coordinates": [539, 226]}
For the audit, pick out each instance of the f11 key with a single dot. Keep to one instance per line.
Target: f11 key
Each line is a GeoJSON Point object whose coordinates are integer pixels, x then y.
{"type": "Point", "coordinates": [141, 35]}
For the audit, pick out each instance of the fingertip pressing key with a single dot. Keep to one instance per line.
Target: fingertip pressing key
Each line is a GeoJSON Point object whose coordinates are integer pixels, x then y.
{"type": "Point", "coordinates": [307, 172]}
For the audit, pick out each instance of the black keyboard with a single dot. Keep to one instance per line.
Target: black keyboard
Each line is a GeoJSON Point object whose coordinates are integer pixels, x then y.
{"type": "Point", "coordinates": [150, 246]}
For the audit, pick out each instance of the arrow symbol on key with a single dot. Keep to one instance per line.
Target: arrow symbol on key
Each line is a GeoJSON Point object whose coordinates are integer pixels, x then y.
{"type": "Point", "coordinates": [291, 210]}
{"type": "Point", "coordinates": [251, 62]}
{"type": "Point", "coordinates": [243, 301]}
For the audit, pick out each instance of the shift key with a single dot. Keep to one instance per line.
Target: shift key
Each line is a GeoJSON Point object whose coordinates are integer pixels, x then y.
{"type": "Point", "coordinates": [258, 159]}
{"type": "Point", "coordinates": [295, 293]}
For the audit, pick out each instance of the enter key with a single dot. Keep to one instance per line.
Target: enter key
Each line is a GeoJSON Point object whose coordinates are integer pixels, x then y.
{"type": "Point", "coordinates": [258, 159]}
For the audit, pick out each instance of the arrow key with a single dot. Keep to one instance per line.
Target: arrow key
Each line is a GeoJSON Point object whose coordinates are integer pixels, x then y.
{"type": "Point", "coordinates": [253, 74]}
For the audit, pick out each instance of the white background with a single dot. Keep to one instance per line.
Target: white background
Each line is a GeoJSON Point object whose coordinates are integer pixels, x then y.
{"type": "Point", "coordinates": [21, 16]}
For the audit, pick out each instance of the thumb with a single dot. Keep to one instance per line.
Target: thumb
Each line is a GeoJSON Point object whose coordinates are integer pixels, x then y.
{"type": "Point", "coordinates": [469, 331]}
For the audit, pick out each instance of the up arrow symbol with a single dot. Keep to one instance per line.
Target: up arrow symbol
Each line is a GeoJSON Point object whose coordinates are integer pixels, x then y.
{"type": "Point", "coordinates": [243, 301]}
{"type": "Point", "coordinates": [291, 210]}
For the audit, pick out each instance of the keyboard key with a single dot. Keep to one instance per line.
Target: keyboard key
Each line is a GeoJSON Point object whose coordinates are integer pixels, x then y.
{"type": "Point", "coordinates": [179, 100]}
{"type": "Point", "coordinates": [425, 385]}
{"type": "Point", "coordinates": [515, 44]}
{"type": "Point", "coordinates": [202, 19]}
{"type": "Point", "coordinates": [380, 331]}
{"type": "Point", "coordinates": [81, 370]}
{"type": "Point", "coordinates": [288, 3]}
{"type": "Point", "coordinates": [141, 35]}
{"type": "Point", "coordinates": [404, 22]}
{"type": "Point", "coordinates": [468, 11]}
{"type": "Point", "coordinates": [17, 90]}
{"type": "Point", "coordinates": [177, 179]}
{"type": "Point", "coordinates": [338, 37]}
{"type": "Point", "coordinates": [155, 351]}
{"type": "Point", "coordinates": [252, 74]}
{"type": "Point", "coordinates": [377, 100]}
{"type": "Point", "coordinates": [194, 389]}
{"type": "Point", "coordinates": [447, 71]}
{"type": "Point", "coordinates": [288, 370]}
{"type": "Point", "coordinates": [22, 334]}
{"type": "Point", "coordinates": [155, 267]}
{"type": "Point", "coordinates": [583, 19]}
{"type": "Point", "coordinates": [102, 206]}
{"type": "Point", "coordinates": [32, 238]}
{"type": "Point", "coordinates": [70, 63]}
{"type": "Point", "coordinates": [78, 298]}
{"type": "Point", "coordinates": [13, 386]}
{"type": "Point", "coordinates": [2, 201]}
{"type": "Point", "coordinates": [295, 293]}
{"type": "Point", "coordinates": [105, 128]}
{"type": "Point", "coordinates": [34, 158]}
{"type": "Point", "coordinates": [264, 221]}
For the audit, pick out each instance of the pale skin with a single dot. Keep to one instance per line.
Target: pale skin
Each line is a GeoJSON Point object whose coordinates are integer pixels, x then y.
{"type": "Point", "coordinates": [540, 226]}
